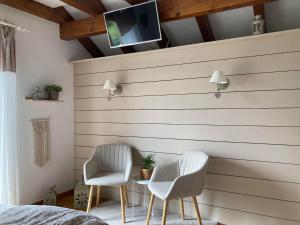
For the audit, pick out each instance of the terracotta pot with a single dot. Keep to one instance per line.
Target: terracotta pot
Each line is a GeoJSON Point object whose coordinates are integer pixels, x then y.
{"type": "Point", "coordinates": [146, 173]}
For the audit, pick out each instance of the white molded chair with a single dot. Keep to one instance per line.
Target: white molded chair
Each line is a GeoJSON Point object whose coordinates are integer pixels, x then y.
{"type": "Point", "coordinates": [110, 165]}
{"type": "Point", "coordinates": [183, 178]}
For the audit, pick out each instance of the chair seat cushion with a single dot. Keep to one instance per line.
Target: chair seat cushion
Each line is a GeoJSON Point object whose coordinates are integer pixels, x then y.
{"type": "Point", "coordinates": [107, 178]}
{"type": "Point", "coordinates": [160, 189]}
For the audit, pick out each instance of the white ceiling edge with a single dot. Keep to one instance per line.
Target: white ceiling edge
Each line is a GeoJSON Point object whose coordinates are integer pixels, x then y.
{"type": "Point", "coordinates": [179, 48]}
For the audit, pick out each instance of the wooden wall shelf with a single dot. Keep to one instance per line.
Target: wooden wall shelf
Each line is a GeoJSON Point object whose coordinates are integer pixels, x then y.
{"type": "Point", "coordinates": [42, 99]}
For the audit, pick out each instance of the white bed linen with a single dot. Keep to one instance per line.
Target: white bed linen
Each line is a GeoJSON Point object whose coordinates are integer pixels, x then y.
{"type": "Point", "coordinates": [41, 214]}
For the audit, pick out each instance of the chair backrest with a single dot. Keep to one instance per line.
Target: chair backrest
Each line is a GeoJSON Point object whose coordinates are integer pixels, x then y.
{"type": "Point", "coordinates": [192, 168]}
{"type": "Point", "coordinates": [192, 162]}
{"type": "Point", "coordinates": [113, 157]}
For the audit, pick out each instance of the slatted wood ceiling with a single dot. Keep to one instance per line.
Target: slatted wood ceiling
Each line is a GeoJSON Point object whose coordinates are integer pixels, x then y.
{"type": "Point", "coordinates": [168, 108]}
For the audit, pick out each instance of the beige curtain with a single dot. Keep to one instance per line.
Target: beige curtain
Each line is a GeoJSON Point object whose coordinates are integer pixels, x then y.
{"type": "Point", "coordinates": [7, 49]}
{"type": "Point", "coordinates": [40, 138]}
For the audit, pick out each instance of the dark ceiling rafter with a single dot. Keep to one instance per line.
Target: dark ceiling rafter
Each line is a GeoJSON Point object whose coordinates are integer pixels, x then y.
{"type": "Point", "coordinates": [168, 11]}
{"type": "Point", "coordinates": [86, 42]}
{"type": "Point", "coordinates": [34, 8]}
{"type": "Point", "coordinates": [98, 4]}
{"type": "Point", "coordinates": [51, 14]}
{"type": "Point", "coordinates": [94, 8]}
{"type": "Point", "coordinates": [205, 28]}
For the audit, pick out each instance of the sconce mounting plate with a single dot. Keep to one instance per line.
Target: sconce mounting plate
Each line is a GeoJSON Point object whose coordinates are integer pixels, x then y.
{"type": "Point", "coordinates": [119, 90]}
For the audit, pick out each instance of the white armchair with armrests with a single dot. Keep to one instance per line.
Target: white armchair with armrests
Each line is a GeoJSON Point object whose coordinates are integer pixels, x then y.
{"type": "Point", "coordinates": [183, 178]}
{"type": "Point", "coordinates": [110, 165]}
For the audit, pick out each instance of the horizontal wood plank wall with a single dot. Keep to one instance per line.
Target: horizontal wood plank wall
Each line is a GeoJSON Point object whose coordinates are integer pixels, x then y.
{"type": "Point", "coordinates": [168, 108]}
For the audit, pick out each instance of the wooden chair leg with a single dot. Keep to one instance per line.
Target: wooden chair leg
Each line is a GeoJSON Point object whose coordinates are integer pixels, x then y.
{"type": "Point", "coordinates": [98, 196]}
{"type": "Point", "coordinates": [197, 210]}
{"type": "Point", "coordinates": [125, 195]}
{"type": "Point", "coordinates": [182, 208]}
{"type": "Point", "coordinates": [122, 204]}
{"type": "Point", "coordinates": [90, 199]}
{"type": "Point", "coordinates": [150, 209]}
{"type": "Point", "coordinates": [164, 217]}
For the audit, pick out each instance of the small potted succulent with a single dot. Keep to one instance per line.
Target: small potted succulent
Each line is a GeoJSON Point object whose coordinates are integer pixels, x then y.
{"type": "Point", "coordinates": [53, 91]}
{"type": "Point", "coordinates": [147, 168]}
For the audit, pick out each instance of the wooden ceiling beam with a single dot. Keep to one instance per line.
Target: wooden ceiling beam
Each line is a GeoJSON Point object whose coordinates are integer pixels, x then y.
{"type": "Point", "coordinates": [205, 28]}
{"type": "Point", "coordinates": [63, 13]}
{"type": "Point", "coordinates": [34, 8]}
{"type": "Point", "coordinates": [173, 10]}
{"type": "Point", "coordinates": [168, 10]}
{"type": "Point", "coordinates": [57, 15]}
{"type": "Point", "coordinates": [86, 42]}
{"type": "Point", "coordinates": [99, 6]}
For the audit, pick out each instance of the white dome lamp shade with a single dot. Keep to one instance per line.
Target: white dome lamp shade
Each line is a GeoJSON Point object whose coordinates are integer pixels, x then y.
{"type": "Point", "coordinates": [109, 85]}
{"type": "Point", "coordinates": [112, 89]}
{"type": "Point", "coordinates": [220, 80]}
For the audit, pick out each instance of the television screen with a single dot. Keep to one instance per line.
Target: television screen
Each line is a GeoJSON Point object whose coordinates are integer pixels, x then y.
{"type": "Point", "coordinates": [133, 25]}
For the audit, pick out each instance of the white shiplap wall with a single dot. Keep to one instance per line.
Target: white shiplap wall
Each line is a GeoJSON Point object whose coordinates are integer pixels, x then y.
{"type": "Point", "coordinates": [167, 108]}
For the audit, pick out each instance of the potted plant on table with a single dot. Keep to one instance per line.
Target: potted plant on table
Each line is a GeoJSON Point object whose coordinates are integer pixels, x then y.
{"type": "Point", "coordinates": [147, 168]}
{"type": "Point", "coordinates": [53, 91]}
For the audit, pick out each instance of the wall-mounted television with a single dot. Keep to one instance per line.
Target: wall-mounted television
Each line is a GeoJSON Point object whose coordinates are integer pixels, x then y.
{"type": "Point", "coordinates": [133, 25]}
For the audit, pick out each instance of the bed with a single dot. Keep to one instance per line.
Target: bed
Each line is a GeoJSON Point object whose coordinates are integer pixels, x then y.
{"type": "Point", "coordinates": [41, 214]}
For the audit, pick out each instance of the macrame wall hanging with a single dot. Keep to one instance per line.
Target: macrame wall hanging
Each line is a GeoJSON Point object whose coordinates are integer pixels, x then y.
{"type": "Point", "coordinates": [40, 141]}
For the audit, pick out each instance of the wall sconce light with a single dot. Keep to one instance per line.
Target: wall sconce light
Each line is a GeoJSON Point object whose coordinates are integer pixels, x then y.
{"type": "Point", "coordinates": [112, 89]}
{"type": "Point", "coordinates": [220, 80]}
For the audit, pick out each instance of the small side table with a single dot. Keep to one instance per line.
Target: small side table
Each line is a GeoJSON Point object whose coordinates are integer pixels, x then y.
{"type": "Point", "coordinates": [139, 181]}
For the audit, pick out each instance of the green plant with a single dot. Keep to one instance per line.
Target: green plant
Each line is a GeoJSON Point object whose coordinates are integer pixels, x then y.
{"type": "Point", "coordinates": [149, 162]}
{"type": "Point", "coordinates": [53, 87]}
